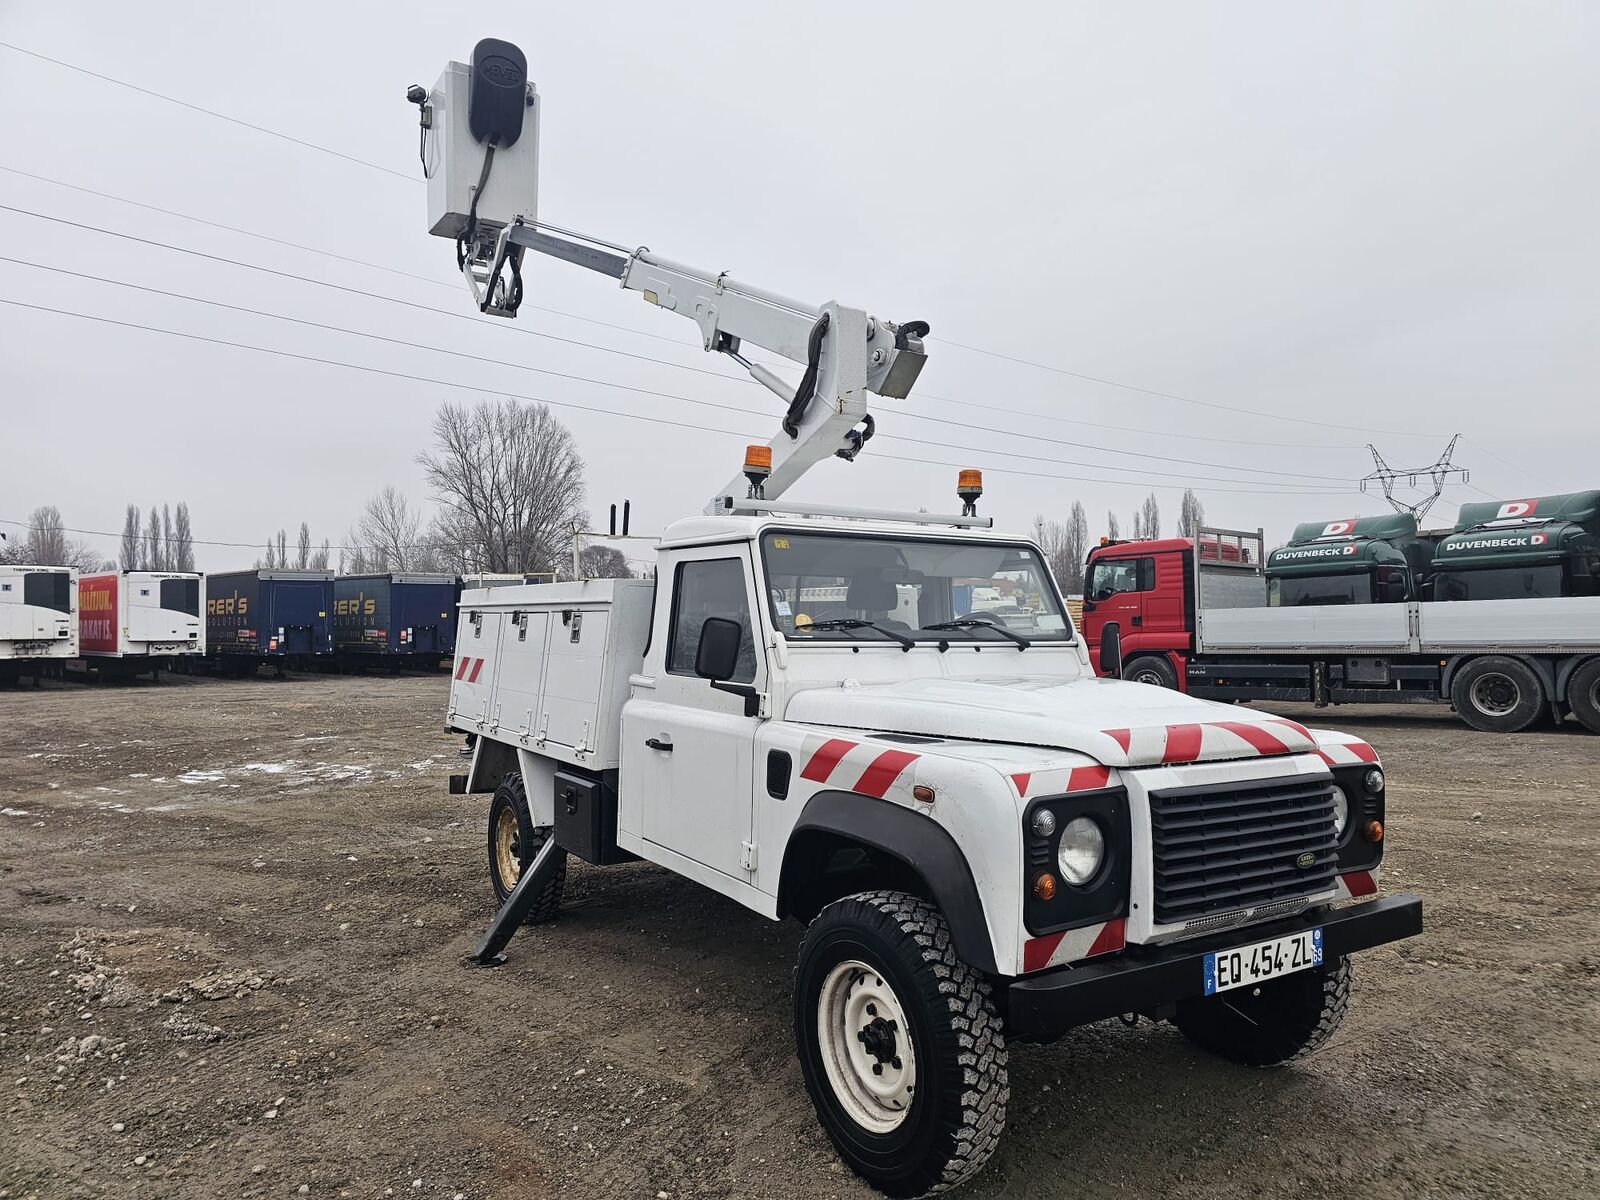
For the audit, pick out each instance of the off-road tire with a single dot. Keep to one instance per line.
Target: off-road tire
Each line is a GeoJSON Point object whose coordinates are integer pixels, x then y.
{"type": "Point", "coordinates": [1496, 694]}
{"type": "Point", "coordinates": [1583, 694]}
{"type": "Point", "coordinates": [958, 1109]}
{"type": "Point", "coordinates": [1152, 669]}
{"type": "Point", "coordinates": [511, 796]}
{"type": "Point", "coordinates": [1274, 1023]}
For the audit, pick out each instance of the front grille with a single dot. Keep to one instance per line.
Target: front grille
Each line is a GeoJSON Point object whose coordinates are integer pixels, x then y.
{"type": "Point", "coordinates": [1218, 849]}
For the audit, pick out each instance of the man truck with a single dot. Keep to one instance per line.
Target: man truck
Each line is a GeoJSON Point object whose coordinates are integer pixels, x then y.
{"type": "Point", "coordinates": [1499, 619]}
{"type": "Point", "coordinates": [985, 842]}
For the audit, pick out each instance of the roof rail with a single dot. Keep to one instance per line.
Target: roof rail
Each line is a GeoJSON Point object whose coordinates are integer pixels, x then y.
{"type": "Point", "coordinates": [734, 504]}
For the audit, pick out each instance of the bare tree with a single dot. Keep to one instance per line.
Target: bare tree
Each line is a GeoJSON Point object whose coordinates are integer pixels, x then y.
{"type": "Point", "coordinates": [155, 553]}
{"type": "Point", "coordinates": [1077, 547]}
{"type": "Point", "coordinates": [302, 559]}
{"type": "Point", "coordinates": [387, 533]}
{"type": "Point", "coordinates": [604, 562]}
{"type": "Point", "coordinates": [283, 549]}
{"type": "Point", "coordinates": [180, 548]}
{"type": "Point", "coordinates": [1151, 517]}
{"type": "Point", "coordinates": [47, 544]}
{"type": "Point", "coordinates": [132, 549]}
{"type": "Point", "coordinates": [1191, 514]}
{"type": "Point", "coordinates": [513, 481]}
{"type": "Point", "coordinates": [169, 549]}
{"type": "Point", "coordinates": [1112, 530]}
{"type": "Point", "coordinates": [319, 560]}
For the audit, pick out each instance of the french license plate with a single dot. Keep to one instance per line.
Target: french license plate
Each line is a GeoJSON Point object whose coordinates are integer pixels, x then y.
{"type": "Point", "coordinates": [1263, 961]}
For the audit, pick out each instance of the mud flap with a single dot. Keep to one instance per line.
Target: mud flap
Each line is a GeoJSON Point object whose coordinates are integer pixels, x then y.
{"type": "Point", "coordinates": [509, 919]}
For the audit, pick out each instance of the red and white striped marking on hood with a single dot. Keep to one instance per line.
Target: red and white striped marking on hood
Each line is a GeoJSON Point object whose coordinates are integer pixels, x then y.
{"type": "Point", "coordinates": [1208, 741]}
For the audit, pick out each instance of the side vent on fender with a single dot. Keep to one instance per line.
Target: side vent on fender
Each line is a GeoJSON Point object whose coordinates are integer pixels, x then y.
{"type": "Point", "coordinates": [778, 767]}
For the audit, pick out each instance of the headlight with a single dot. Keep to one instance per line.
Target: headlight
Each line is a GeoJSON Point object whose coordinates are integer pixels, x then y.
{"type": "Point", "coordinates": [1083, 849]}
{"type": "Point", "coordinates": [1374, 780]}
{"type": "Point", "coordinates": [1341, 810]}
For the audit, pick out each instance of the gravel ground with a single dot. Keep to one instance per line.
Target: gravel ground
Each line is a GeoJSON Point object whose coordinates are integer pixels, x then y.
{"type": "Point", "coordinates": [232, 918]}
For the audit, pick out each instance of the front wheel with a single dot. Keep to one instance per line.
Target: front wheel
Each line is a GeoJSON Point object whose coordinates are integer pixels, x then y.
{"type": "Point", "coordinates": [902, 1051]}
{"type": "Point", "coordinates": [1152, 669]}
{"type": "Point", "coordinates": [1270, 1023]}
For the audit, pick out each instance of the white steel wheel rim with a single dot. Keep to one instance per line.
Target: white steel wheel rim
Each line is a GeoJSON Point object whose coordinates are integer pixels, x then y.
{"type": "Point", "coordinates": [867, 1053]}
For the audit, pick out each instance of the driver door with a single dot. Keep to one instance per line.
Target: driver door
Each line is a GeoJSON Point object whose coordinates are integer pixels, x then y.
{"type": "Point", "coordinates": [688, 746]}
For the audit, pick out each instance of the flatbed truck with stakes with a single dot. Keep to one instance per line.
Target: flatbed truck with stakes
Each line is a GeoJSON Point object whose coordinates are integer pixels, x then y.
{"type": "Point", "coordinates": [807, 712]}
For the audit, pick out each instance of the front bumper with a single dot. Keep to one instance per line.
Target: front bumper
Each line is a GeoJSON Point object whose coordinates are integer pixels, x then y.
{"type": "Point", "coordinates": [1142, 979]}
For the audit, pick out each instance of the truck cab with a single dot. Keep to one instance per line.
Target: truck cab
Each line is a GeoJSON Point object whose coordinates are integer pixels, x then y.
{"type": "Point", "coordinates": [1539, 548]}
{"type": "Point", "coordinates": [1366, 560]}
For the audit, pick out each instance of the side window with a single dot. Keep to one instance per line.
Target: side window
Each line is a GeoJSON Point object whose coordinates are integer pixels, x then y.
{"type": "Point", "coordinates": [711, 588]}
{"type": "Point", "coordinates": [1116, 575]}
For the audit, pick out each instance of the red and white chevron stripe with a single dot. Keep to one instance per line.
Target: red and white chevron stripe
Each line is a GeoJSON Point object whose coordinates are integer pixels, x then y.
{"type": "Point", "coordinates": [1210, 740]}
{"type": "Point", "coordinates": [1052, 781]}
{"type": "Point", "coordinates": [468, 669]}
{"type": "Point", "coordinates": [1054, 949]}
{"type": "Point", "coordinates": [853, 766]}
{"type": "Point", "coordinates": [1347, 753]}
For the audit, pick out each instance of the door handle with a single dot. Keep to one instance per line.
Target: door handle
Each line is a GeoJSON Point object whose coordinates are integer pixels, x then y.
{"type": "Point", "coordinates": [659, 743]}
{"type": "Point", "coordinates": [1136, 621]}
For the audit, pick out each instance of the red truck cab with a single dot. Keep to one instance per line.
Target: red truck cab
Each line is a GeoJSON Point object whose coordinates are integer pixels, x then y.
{"type": "Point", "coordinates": [1146, 587]}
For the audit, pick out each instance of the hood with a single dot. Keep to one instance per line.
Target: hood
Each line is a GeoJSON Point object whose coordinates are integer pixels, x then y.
{"type": "Point", "coordinates": [1117, 723]}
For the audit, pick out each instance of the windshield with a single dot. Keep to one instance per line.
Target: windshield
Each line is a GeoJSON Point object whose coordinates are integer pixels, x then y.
{"type": "Point", "coordinates": [1320, 589]}
{"type": "Point", "coordinates": [1499, 583]}
{"type": "Point", "coordinates": [906, 585]}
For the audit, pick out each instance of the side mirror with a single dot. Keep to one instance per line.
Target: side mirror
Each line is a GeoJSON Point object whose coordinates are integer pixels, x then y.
{"type": "Point", "coordinates": [718, 655]}
{"type": "Point", "coordinates": [1111, 649]}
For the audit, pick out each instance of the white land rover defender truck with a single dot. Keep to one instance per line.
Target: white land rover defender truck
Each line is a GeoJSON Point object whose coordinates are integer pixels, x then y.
{"type": "Point", "coordinates": [820, 712]}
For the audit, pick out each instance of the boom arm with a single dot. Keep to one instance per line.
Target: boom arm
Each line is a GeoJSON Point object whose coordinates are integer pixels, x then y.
{"type": "Point", "coordinates": [845, 352]}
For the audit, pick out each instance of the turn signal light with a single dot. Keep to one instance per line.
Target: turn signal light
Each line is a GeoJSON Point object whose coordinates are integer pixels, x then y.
{"type": "Point", "coordinates": [1044, 885]}
{"type": "Point", "coordinates": [922, 792]}
{"type": "Point", "coordinates": [758, 458]}
{"type": "Point", "coordinates": [1373, 831]}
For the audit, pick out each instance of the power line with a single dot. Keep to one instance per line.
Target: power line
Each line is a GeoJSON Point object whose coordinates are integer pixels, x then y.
{"type": "Point", "coordinates": [697, 428]}
{"type": "Point", "coordinates": [921, 396]}
{"type": "Point", "coordinates": [1513, 466]}
{"type": "Point", "coordinates": [1288, 487]}
{"type": "Point", "coordinates": [321, 253]}
{"type": "Point", "coordinates": [211, 112]}
{"type": "Point", "coordinates": [1101, 380]}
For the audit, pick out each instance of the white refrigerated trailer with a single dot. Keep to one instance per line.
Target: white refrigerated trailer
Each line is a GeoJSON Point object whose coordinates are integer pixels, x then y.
{"type": "Point", "coordinates": [38, 620]}
{"type": "Point", "coordinates": [133, 622]}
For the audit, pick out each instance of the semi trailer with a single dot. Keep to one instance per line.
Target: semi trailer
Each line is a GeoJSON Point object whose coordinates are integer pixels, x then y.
{"type": "Point", "coordinates": [281, 617]}
{"type": "Point", "coordinates": [138, 622]}
{"type": "Point", "coordinates": [821, 712]}
{"type": "Point", "coordinates": [395, 618]}
{"type": "Point", "coordinates": [1364, 630]}
{"type": "Point", "coordinates": [38, 621]}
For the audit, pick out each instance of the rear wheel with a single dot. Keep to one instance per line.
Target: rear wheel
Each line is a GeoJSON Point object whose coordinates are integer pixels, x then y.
{"type": "Point", "coordinates": [902, 1051]}
{"type": "Point", "coordinates": [1583, 694]}
{"type": "Point", "coordinates": [1151, 669]}
{"type": "Point", "coordinates": [1497, 694]}
{"type": "Point", "coordinates": [513, 842]}
{"type": "Point", "coordinates": [1270, 1023]}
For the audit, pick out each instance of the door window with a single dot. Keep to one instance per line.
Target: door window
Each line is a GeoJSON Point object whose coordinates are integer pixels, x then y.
{"type": "Point", "coordinates": [710, 588]}
{"type": "Point", "coordinates": [1112, 576]}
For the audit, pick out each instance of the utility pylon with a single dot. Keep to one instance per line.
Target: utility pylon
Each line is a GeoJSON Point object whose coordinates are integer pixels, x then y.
{"type": "Point", "coordinates": [1440, 471]}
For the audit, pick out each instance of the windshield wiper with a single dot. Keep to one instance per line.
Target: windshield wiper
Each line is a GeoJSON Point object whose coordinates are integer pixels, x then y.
{"type": "Point", "coordinates": [970, 623]}
{"type": "Point", "coordinates": [856, 623]}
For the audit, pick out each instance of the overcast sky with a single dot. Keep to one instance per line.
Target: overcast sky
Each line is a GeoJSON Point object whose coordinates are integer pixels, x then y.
{"type": "Point", "coordinates": [1356, 222]}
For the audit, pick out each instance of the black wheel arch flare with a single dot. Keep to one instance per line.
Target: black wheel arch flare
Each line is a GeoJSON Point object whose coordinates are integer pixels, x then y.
{"type": "Point", "coordinates": [912, 838]}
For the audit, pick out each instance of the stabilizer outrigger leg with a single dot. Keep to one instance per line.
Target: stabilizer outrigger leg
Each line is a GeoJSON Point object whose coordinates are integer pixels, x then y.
{"type": "Point", "coordinates": [509, 919]}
